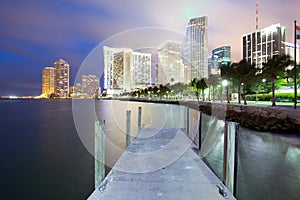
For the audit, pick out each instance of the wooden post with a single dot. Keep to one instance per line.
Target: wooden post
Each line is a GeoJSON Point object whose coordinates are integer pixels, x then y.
{"type": "Point", "coordinates": [295, 65]}
{"type": "Point", "coordinates": [188, 121]}
{"type": "Point", "coordinates": [128, 123]}
{"type": "Point", "coordinates": [236, 146]}
{"type": "Point", "coordinates": [99, 152]}
{"type": "Point", "coordinates": [200, 131]}
{"type": "Point", "coordinates": [139, 117]}
{"type": "Point", "coordinates": [225, 152]}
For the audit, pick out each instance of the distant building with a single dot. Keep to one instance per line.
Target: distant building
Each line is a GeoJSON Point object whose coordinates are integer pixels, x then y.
{"type": "Point", "coordinates": [90, 86]}
{"type": "Point", "coordinates": [220, 56]}
{"type": "Point", "coordinates": [48, 81]}
{"type": "Point", "coordinates": [210, 65]}
{"type": "Point", "coordinates": [170, 67]}
{"type": "Point", "coordinates": [290, 50]}
{"type": "Point", "coordinates": [156, 74]}
{"type": "Point", "coordinates": [125, 70]}
{"type": "Point", "coordinates": [61, 78]}
{"type": "Point", "coordinates": [195, 52]}
{"type": "Point", "coordinates": [140, 70]}
{"type": "Point", "coordinates": [261, 45]}
{"type": "Point", "coordinates": [115, 61]}
{"type": "Point", "coordinates": [76, 91]}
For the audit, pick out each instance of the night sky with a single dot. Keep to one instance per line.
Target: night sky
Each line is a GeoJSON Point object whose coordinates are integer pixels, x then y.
{"type": "Point", "coordinates": [36, 33]}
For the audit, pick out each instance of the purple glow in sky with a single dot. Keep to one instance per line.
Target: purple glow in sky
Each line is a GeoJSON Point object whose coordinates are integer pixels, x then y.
{"type": "Point", "coordinates": [36, 33]}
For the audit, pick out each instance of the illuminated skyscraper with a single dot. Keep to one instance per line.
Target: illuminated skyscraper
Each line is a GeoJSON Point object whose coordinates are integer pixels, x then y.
{"type": "Point", "coordinates": [220, 56]}
{"type": "Point", "coordinates": [48, 80]}
{"type": "Point", "coordinates": [125, 70]}
{"type": "Point", "coordinates": [195, 52]}
{"type": "Point", "coordinates": [90, 86]}
{"type": "Point", "coordinates": [61, 78]}
{"type": "Point", "coordinates": [116, 66]}
{"type": "Point", "coordinates": [290, 50]}
{"type": "Point", "coordinates": [140, 70]}
{"type": "Point", "coordinates": [170, 68]}
{"type": "Point", "coordinates": [261, 45]}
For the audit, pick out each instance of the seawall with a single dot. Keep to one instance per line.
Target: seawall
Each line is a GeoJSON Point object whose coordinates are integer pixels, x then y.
{"type": "Point", "coordinates": [274, 119]}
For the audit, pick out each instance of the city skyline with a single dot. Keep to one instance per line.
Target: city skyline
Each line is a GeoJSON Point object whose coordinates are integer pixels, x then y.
{"type": "Point", "coordinates": [35, 34]}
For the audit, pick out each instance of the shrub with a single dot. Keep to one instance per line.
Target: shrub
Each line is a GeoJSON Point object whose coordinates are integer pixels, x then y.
{"type": "Point", "coordinates": [284, 97]}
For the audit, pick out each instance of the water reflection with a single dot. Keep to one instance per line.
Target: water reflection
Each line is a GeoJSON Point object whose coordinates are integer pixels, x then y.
{"type": "Point", "coordinates": [268, 164]}
{"type": "Point", "coordinates": [268, 167]}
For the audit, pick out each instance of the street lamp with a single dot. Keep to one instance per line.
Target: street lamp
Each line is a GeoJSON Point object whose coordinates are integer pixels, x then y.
{"type": "Point", "coordinates": [225, 84]}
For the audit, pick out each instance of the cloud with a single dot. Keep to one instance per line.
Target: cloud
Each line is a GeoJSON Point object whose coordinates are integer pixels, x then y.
{"type": "Point", "coordinates": [39, 32]}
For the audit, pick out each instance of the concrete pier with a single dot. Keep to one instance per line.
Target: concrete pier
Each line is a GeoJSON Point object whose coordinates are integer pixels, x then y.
{"type": "Point", "coordinates": [160, 164]}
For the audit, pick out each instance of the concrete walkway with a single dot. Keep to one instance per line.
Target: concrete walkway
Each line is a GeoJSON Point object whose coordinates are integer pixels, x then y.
{"type": "Point", "coordinates": [160, 164]}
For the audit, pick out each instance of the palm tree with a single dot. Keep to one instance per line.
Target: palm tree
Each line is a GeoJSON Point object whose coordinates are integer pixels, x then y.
{"type": "Point", "coordinates": [193, 83]}
{"type": "Point", "coordinates": [163, 90]}
{"type": "Point", "coordinates": [178, 88]}
{"type": "Point", "coordinates": [202, 85]}
{"type": "Point", "coordinates": [226, 75]}
{"type": "Point", "coordinates": [199, 85]}
{"type": "Point", "coordinates": [213, 80]}
{"type": "Point", "coordinates": [243, 73]}
{"type": "Point", "coordinates": [236, 79]}
{"type": "Point", "coordinates": [274, 68]}
{"type": "Point", "coordinates": [155, 90]}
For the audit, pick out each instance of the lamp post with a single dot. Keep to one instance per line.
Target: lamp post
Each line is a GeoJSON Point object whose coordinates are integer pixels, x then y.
{"type": "Point", "coordinates": [225, 84]}
{"type": "Point", "coordinates": [263, 89]}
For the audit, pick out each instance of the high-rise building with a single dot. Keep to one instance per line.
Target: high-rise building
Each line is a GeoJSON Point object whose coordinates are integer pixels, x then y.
{"type": "Point", "coordinates": [61, 78]}
{"type": "Point", "coordinates": [90, 86]}
{"type": "Point", "coordinates": [262, 44]}
{"type": "Point", "coordinates": [170, 67]}
{"type": "Point", "coordinates": [211, 66]}
{"type": "Point", "coordinates": [108, 58]}
{"type": "Point", "coordinates": [195, 52]}
{"type": "Point", "coordinates": [140, 70]}
{"type": "Point", "coordinates": [48, 80]}
{"type": "Point", "coordinates": [125, 70]}
{"type": "Point", "coordinates": [220, 56]}
{"type": "Point", "coordinates": [116, 66]}
{"type": "Point", "coordinates": [290, 50]}
{"type": "Point", "coordinates": [76, 90]}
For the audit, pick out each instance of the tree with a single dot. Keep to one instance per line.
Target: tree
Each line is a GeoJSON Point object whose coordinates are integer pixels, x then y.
{"type": "Point", "coordinates": [193, 84]}
{"type": "Point", "coordinates": [145, 92]}
{"type": "Point", "coordinates": [150, 89]}
{"type": "Point", "coordinates": [243, 73]}
{"type": "Point", "coordinates": [226, 75]}
{"type": "Point", "coordinates": [236, 79]}
{"type": "Point", "coordinates": [155, 90]}
{"type": "Point", "coordinates": [199, 85]}
{"type": "Point", "coordinates": [213, 80]}
{"type": "Point", "coordinates": [163, 90]}
{"type": "Point", "coordinates": [203, 85]}
{"type": "Point", "coordinates": [274, 68]}
{"type": "Point", "coordinates": [178, 88]}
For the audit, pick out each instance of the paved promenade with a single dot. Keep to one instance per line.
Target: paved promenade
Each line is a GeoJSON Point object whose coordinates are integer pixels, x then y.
{"type": "Point", "coordinates": [160, 164]}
